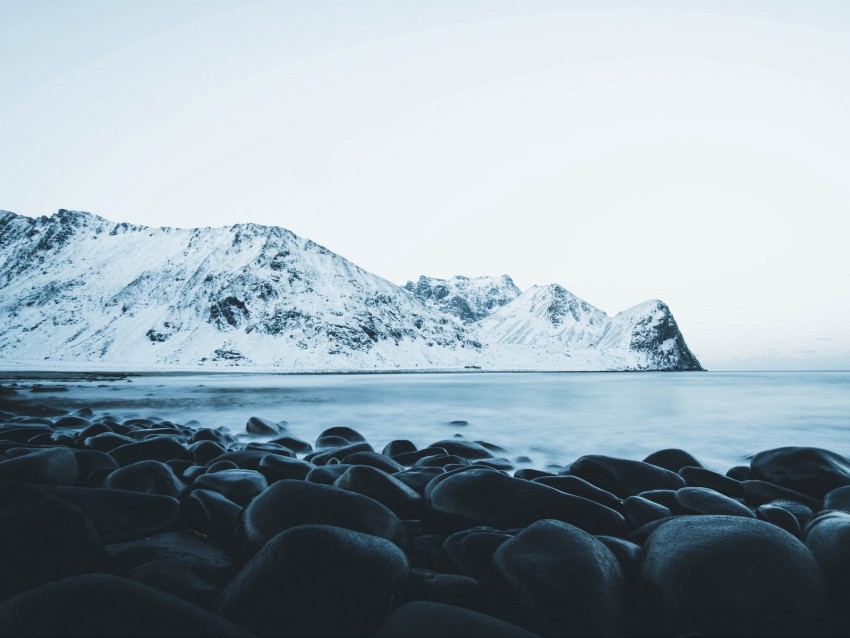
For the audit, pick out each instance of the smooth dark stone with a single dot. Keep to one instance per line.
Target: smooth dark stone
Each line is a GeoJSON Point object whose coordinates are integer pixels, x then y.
{"type": "Point", "coordinates": [52, 466]}
{"type": "Point", "coordinates": [624, 477]}
{"type": "Point", "coordinates": [639, 535]}
{"type": "Point", "coordinates": [740, 473]}
{"type": "Point", "coordinates": [450, 589]}
{"type": "Point", "coordinates": [441, 460]}
{"type": "Point", "coordinates": [418, 477]}
{"type": "Point", "coordinates": [465, 449]}
{"type": "Point", "coordinates": [192, 473]}
{"type": "Point", "coordinates": [22, 433]}
{"type": "Point", "coordinates": [760, 492]}
{"type": "Point", "coordinates": [206, 434]}
{"type": "Point", "coordinates": [426, 552]}
{"type": "Point", "coordinates": [780, 517]}
{"type": "Point", "coordinates": [121, 515]}
{"type": "Point", "coordinates": [530, 474]}
{"type": "Point", "coordinates": [179, 465]}
{"type": "Point", "coordinates": [398, 446]}
{"type": "Point", "coordinates": [293, 443]}
{"type": "Point", "coordinates": [93, 430]}
{"type": "Point", "coordinates": [90, 460]}
{"type": "Point", "coordinates": [837, 499]}
{"type": "Point", "coordinates": [728, 575]}
{"type": "Point", "coordinates": [355, 575]}
{"type": "Point", "coordinates": [287, 504]}
{"type": "Point", "coordinates": [640, 511]}
{"type": "Point", "coordinates": [249, 459]}
{"type": "Point", "coordinates": [701, 500]}
{"type": "Point", "coordinates": [219, 466]}
{"type": "Point", "coordinates": [626, 553]}
{"type": "Point", "coordinates": [277, 468]}
{"type": "Point", "coordinates": [559, 580]}
{"type": "Point", "coordinates": [106, 605]}
{"type": "Point", "coordinates": [146, 477]}
{"type": "Point", "coordinates": [209, 513]}
{"type": "Point", "coordinates": [487, 497]}
{"type": "Point", "coordinates": [409, 458]}
{"type": "Point", "coordinates": [811, 470]}
{"type": "Point", "coordinates": [327, 474]}
{"type": "Point", "coordinates": [427, 619]}
{"type": "Point", "coordinates": [667, 498]}
{"type": "Point", "coordinates": [188, 548]}
{"type": "Point", "coordinates": [71, 421]}
{"type": "Point", "coordinates": [446, 473]}
{"type": "Point", "coordinates": [580, 487]}
{"type": "Point", "coordinates": [259, 426]}
{"type": "Point", "coordinates": [86, 413]}
{"type": "Point", "coordinates": [828, 538]}
{"type": "Point", "coordinates": [106, 442]}
{"type": "Point", "coordinates": [326, 442]}
{"type": "Point", "coordinates": [383, 488]}
{"type": "Point", "coordinates": [495, 463]}
{"type": "Point", "coordinates": [268, 446]}
{"type": "Point", "coordinates": [672, 459]}
{"type": "Point", "coordinates": [43, 538]}
{"type": "Point", "coordinates": [323, 458]}
{"type": "Point", "coordinates": [803, 513]}
{"type": "Point", "coordinates": [343, 432]}
{"type": "Point", "coordinates": [373, 459]}
{"type": "Point", "coordinates": [701, 477]}
{"type": "Point", "coordinates": [492, 447]}
{"type": "Point", "coordinates": [469, 551]}
{"type": "Point", "coordinates": [239, 486]}
{"type": "Point", "coordinates": [158, 449]}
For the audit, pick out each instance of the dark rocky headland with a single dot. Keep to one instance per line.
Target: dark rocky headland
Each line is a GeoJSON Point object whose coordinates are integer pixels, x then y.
{"type": "Point", "coordinates": [142, 527]}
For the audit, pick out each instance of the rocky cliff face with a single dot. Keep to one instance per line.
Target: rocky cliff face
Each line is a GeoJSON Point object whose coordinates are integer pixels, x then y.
{"type": "Point", "coordinates": [75, 287]}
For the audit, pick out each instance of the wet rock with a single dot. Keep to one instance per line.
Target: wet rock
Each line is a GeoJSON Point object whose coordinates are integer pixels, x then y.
{"type": "Point", "coordinates": [345, 585]}
{"type": "Point", "coordinates": [349, 435]}
{"type": "Point", "coordinates": [43, 538]}
{"type": "Point", "coordinates": [146, 477]}
{"type": "Point", "coordinates": [398, 446]}
{"type": "Point", "coordinates": [672, 459]}
{"type": "Point", "coordinates": [803, 513]}
{"type": "Point", "coordinates": [220, 466]}
{"type": "Point", "coordinates": [498, 463]}
{"type": "Point", "coordinates": [828, 538]}
{"type": "Point", "coordinates": [93, 430]}
{"type": "Point", "coordinates": [740, 473]}
{"type": "Point", "coordinates": [106, 442]}
{"type": "Point", "coordinates": [90, 460]}
{"type": "Point", "coordinates": [701, 477]}
{"type": "Point", "coordinates": [383, 488]}
{"type": "Point", "coordinates": [441, 460]}
{"type": "Point", "coordinates": [322, 458]}
{"type": "Point", "coordinates": [278, 468]}
{"type": "Point", "coordinates": [487, 497]}
{"type": "Point", "coordinates": [53, 466]}
{"type": "Point", "coordinates": [119, 514]}
{"type": "Point", "coordinates": [530, 474]}
{"type": "Point", "coordinates": [759, 492]}
{"type": "Point", "coordinates": [209, 513]}
{"type": "Point", "coordinates": [640, 511]}
{"type": "Point", "coordinates": [326, 442]}
{"type": "Point", "coordinates": [157, 449]}
{"type": "Point", "coordinates": [559, 580]}
{"type": "Point", "coordinates": [219, 437]}
{"type": "Point", "coordinates": [667, 498]}
{"type": "Point", "coordinates": [417, 478]}
{"type": "Point", "coordinates": [469, 551]}
{"type": "Point", "coordinates": [780, 517]}
{"type": "Point", "coordinates": [287, 504]}
{"type": "Point", "coordinates": [293, 443]}
{"type": "Point", "coordinates": [268, 446]}
{"type": "Point", "coordinates": [249, 459]}
{"type": "Point", "coordinates": [239, 486]}
{"type": "Point", "coordinates": [464, 449]}
{"type": "Point", "coordinates": [106, 605]}
{"type": "Point", "coordinates": [327, 474]}
{"type": "Point", "coordinates": [623, 477]}
{"type": "Point", "coordinates": [375, 460]}
{"type": "Point", "coordinates": [423, 619]}
{"type": "Point", "coordinates": [196, 584]}
{"type": "Point", "coordinates": [451, 589]}
{"type": "Point", "coordinates": [259, 426]}
{"type": "Point", "coordinates": [579, 487]}
{"type": "Point", "coordinates": [409, 458]}
{"type": "Point", "coordinates": [728, 575]}
{"type": "Point", "coordinates": [837, 499]}
{"type": "Point", "coordinates": [813, 471]}
{"type": "Point", "coordinates": [701, 500]}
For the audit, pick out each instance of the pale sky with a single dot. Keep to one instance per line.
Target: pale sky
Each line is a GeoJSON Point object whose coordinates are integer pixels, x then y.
{"type": "Point", "coordinates": [695, 152]}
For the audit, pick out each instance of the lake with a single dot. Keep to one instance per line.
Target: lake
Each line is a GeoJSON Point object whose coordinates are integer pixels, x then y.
{"type": "Point", "coordinates": [553, 418]}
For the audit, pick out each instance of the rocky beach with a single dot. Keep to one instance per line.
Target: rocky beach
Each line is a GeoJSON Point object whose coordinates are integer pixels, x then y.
{"type": "Point", "coordinates": [142, 527]}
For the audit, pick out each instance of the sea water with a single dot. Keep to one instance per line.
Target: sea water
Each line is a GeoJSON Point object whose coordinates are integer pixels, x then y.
{"type": "Point", "coordinates": [552, 418]}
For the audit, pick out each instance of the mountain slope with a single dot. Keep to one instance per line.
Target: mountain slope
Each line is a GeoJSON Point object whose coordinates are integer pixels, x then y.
{"type": "Point", "coordinates": [75, 287]}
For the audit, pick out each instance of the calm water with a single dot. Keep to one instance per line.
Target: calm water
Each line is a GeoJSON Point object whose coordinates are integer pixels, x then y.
{"type": "Point", "coordinates": [553, 418]}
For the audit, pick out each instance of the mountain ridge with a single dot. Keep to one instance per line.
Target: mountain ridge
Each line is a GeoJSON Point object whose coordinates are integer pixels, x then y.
{"type": "Point", "coordinates": [78, 287]}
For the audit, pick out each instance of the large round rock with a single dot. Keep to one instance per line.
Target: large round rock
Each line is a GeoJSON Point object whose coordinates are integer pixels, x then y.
{"type": "Point", "coordinates": [728, 575]}
{"type": "Point", "coordinates": [811, 470]}
{"type": "Point", "coordinates": [559, 581]}
{"type": "Point", "coordinates": [291, 503]}
{"type": "Point", "coordinates": [487, 497]}
{"type": "Point", "coordinates": [317, 580]}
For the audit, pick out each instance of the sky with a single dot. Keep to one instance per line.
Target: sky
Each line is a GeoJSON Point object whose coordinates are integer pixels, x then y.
{"type": "Point", "coordinates": [694, 152]}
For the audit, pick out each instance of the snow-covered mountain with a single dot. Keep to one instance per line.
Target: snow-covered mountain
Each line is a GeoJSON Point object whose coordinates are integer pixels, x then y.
{"type": "Point", "coordinates": [76, 288]}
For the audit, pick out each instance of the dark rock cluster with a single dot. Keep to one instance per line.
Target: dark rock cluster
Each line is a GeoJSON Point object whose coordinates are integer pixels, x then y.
{"type": "Point", "coordinates": [146, 527]}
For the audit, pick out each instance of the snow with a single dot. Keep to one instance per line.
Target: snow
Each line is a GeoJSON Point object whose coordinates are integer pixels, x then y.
{"type": "Point", "coordinates": [79, 290]}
